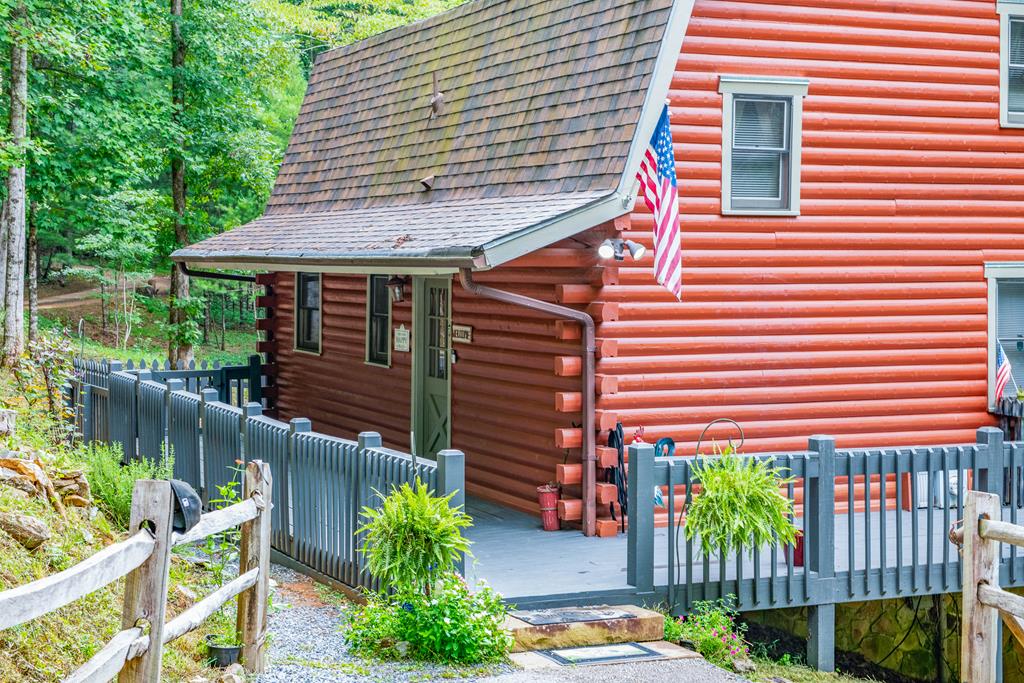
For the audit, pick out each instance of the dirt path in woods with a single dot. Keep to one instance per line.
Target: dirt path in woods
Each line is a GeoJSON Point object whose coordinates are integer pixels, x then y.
{"type": "Point", "coordinates": [68, 299]}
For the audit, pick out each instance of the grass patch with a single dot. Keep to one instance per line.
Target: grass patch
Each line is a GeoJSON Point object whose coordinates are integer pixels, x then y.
{"type": "Point", "coordinates": [768, 670]}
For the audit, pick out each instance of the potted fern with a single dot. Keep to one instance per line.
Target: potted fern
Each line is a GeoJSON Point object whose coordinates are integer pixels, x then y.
{"type": "Point", "coordinates": [740, 504]}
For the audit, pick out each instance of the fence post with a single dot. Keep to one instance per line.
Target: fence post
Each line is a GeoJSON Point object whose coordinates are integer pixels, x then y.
{"type": "Point", "coordinates": [451, 479]}
{"type": "Point", "coordinates": [640, 507]}
{"type": "Point", "coordinates": [145, 591]}
{"type": "Point", "coordinates": [982, 634]}
{"type": "Point", "coordinates": [249, 410]}
{"type": "Point", "coordinates": [172, 386]}
{"type": "Point", "coordinates": [254, 551]}
{"type": "Point", "coordinates": [819, 542]}
{"type": "Point", "coordinates": [88, 415]}
{"type": "Point", "coordinates": [297, 425]}
{"type": "Point", "coordinates": [256, 379]}
{"type": "Point", "coordinates": [991, 476]}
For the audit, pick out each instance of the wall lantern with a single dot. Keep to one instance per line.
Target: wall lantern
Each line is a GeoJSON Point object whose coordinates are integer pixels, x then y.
{"type": "Point", "coordinates": [396, 285]}
{"type": "Point", "coordinates": [617, 249]}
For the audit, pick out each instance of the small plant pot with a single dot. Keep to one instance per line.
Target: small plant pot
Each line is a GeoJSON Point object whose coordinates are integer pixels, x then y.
{"type": "Point", "coordinates": [798, 549]}
{"type": "Point", "coordinates": [221, 656]}
{"type": "Point", "coordinates": [547, 496]}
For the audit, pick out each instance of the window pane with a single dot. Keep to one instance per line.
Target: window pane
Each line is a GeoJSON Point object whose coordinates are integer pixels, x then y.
{"type": "Point", "coordinates": [310, 285]}
{"type": "Point", "coordinates": [1010, 328]}
{"type": "Point", "coordinates": [379, 295]}
{"type": "Point", "coordinates": [760, 123]}
{"type": "Point", "coordinates": [757, 175]}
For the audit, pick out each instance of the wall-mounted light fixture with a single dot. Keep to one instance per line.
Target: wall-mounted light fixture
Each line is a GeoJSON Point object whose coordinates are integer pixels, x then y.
{"type": "Point", "coordinates": [396, 285]}
{"type": "Point", "coordinates": [616, 248]}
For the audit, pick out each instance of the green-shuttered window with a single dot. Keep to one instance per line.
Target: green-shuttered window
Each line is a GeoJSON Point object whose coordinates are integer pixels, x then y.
{"type": "Point", "coordinates": [761, 135]}
{"type": "Point", "coordinates": [1011, 64]}
{"type": "Point", "coordinates": [378, 321]}
{"type": "Point", "coordinates": [307, 312]}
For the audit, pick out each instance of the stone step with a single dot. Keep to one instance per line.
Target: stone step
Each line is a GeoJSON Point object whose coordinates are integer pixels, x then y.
{"type": "Point", "coordinates": [595, 655]}
{"type": "Point", "coordinates": [581, 626]}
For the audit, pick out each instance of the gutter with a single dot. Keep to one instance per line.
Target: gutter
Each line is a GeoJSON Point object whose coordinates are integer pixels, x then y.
{"type": "Point", "coordinates": [210, 275]}
{"type": "Point", "coordinates": [589, 455]}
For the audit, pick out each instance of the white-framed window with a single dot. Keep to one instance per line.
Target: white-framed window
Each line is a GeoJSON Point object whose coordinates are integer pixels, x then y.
{"type": "Point", "coordinates": [762, 129]}
{"type": "Point", "coordinates": [378, 321]}
{"type": "Point", "coordinates": [1005, 325]}
{"type": "Point", "coordinates": [308, 317]}
{"type": "Point", "coordinates": [1011, 63]}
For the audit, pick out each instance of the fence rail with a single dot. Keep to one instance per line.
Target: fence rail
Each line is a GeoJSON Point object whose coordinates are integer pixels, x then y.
{"type": "Point", "coordinates": [874, 525]}
{"type": "Point", "coordinates": [323, 482]}
{"type": "Point", "coordinates": [144, 559]}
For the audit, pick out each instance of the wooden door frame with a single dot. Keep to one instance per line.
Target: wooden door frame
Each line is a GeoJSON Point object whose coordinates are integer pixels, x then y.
{"type": "Point", "coordinates": [418, 349]}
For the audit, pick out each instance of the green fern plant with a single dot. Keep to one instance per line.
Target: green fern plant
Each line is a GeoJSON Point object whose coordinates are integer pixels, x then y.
{"type": "Point", "coordinates": [413, 537]}
{"type": "Point", "coordinates": [740, 504]}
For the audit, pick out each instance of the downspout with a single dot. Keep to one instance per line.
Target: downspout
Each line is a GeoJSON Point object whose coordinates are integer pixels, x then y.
{"type": "Point", "coordinates": [589, 346]}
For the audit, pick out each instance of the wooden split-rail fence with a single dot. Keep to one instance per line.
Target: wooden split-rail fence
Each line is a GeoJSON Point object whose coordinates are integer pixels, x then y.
{"type": "Point", "coordinates": [984, 602]}
{"type": "Point", "coordinates": [134, 654]}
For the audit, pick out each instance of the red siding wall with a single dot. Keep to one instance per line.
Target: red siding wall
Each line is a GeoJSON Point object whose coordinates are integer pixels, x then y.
{"type": "Point", "coordinates": [866, 316]}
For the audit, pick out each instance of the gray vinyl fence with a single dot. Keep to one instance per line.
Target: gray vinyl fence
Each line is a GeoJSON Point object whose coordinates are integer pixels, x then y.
{"type": "Point", "coordinates": [875, 525]}
{"type": "Point", "coordinates": [321, 483]}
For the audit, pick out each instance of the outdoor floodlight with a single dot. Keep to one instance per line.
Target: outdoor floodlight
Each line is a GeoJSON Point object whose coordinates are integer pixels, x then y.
{"type": "Point", "coordinates": [617, 249]}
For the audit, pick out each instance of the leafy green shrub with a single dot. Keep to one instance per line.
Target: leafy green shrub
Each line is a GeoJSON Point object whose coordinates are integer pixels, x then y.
{"type": "Point", "coordinates": [673, 626]}
{"type": "Point", "coordinates": [450, 625]}
{"type": "Point", "coordinates": [740, 504]}
{"type": "Point", "coordinates": [712, 630]}
{"type": "Point", "coordinates": [112, 483]}
{"type": "Point", "coordinates": [413, 538]}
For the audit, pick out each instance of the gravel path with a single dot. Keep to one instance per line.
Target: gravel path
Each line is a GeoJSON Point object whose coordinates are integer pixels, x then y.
{"type": "Point", "coordinates": [306, 642]}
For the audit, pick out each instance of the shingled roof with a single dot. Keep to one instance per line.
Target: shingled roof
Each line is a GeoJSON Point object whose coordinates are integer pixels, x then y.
{"type": "Point", "coordinates": [546, 106]}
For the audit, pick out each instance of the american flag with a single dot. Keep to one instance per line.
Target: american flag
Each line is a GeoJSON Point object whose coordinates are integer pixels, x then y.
{"type": "Point", "coordinates": [1003, 371]}
{"type": "Point", "coordinates": [657, 178]}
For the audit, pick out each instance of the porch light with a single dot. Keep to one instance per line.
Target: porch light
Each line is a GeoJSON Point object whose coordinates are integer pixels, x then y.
{"type": "Point", "coordinates": [396, 285]}
{"type": "Point", "coordinates": [615, 248]}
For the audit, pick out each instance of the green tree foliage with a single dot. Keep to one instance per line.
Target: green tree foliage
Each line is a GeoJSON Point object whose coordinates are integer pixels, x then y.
{"type": "Point", "coordinates": [102, 127]}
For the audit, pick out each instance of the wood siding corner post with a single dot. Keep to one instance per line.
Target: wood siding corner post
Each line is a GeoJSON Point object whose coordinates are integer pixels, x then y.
{"type": "Point", "coordinates": [982, 634]}
{"type": "Point", "coordinates": [254, 552]}
{"type": "Point", "coordinates": [145, 591]}
{"type": "Point", "coordinates": [640, 510]}
{"type": "Point", "coordinates": [451, 480]}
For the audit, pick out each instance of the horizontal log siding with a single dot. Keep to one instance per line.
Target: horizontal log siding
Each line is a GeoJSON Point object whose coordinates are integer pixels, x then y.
{"type": "Point", "coordinates": [866, 316]}
{"type": "Point", "coordinates": [504, 384]}
{"type": "Point", "coordinates": [337, 390]}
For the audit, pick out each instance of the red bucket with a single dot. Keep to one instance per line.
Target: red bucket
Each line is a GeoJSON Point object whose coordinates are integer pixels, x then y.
{"type": "Point", "coordinates": [547, 496]}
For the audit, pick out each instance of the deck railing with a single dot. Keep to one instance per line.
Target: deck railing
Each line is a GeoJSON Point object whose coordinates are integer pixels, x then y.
{"type": "Point", "coordinates": [874, 525]}
{"type": "Point", "coordinates": [144, 559]}
{"type": "Point", "coordinates": [322, 482]}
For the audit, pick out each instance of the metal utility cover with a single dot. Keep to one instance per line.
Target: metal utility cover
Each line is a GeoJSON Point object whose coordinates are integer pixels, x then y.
{"type": "Point", "coordinates": [545, 617]}
{"type": "Point", "coordinates": [602, 654]}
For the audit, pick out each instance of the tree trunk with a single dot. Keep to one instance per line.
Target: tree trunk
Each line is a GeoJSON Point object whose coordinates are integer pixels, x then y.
{"type": "Point", "coordinates": [14, 296]}
{"type": "Point", "coordinates": [178, 350]}
{"type": "Point", "coordinates": [33, 274]}
{"type": "Point", "coordinates": [4, 215]}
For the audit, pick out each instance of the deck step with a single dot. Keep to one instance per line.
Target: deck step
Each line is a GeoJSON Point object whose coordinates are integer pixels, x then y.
{"type": "Point", "coordinates": [582, 626]}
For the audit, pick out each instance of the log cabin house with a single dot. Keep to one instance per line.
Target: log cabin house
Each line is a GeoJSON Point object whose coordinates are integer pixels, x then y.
{"type": "Point", "coordinates": [850, 175]}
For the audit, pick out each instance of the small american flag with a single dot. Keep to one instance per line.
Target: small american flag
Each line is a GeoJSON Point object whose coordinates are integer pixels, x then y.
{"type": "Point", "coordinates": [1003, 371]}
{"type": "Point", "coordinates": [657, 178]}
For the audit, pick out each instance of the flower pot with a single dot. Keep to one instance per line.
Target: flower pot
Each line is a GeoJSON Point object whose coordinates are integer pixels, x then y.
{"type": "Point", "coordinates": [547, 496]}
{"type": "Point", "coordinates": [798, 549]}
{"type": "Point", "coordinates": [221, 656]}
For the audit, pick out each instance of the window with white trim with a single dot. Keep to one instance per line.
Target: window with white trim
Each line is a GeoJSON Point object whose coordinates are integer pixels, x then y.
{"type": "Point", "coordinates": [378, 321]}
{"type": "Point", "coordinates": [1011, 64]}
{"type": "Point", "coordinates": [307, 312]}
{"type": "Point", "coordinates": [761, 143]}
{"type": "Point", "coordinates": [1005, 325]}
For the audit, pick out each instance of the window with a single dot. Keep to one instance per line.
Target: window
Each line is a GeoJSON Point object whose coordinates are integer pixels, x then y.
{"type": "Point", "coordinates": [1005, 324]}
{"type": "Point", "coordinates": [1011, 64]}
{"type": "Point", "coordinates": [307, 312]}
{"type": "Point", "coordinates": [378, 321]}
{"type": "Point", "coordinates": [761, 132]}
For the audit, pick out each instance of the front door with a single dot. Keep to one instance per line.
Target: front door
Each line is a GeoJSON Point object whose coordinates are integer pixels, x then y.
{"type": "Point", "coordinates": [432, 385]}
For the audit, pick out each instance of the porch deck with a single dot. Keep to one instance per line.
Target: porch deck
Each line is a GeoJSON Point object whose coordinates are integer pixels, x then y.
{"type": "Point", "coordinates": [532, 567]}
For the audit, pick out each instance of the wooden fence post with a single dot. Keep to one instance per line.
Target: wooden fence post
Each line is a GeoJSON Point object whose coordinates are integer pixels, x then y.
{"type": "Point", "coordinates": [819, 544]}
{"type": "Point", "coordinates": [145, 591]}
{"type": "Point", "coordinates": [249, 410]}
{"type": "Point", "coordinates": [451, 479]}
{"type": "Point", "coordinates": [88, 430]}
{"type": "Point", "coordinates": [991, 477]}
{"type": "Point", "coordinates": [640, 508]}
{"type": "Point", "coordinates": [297, 425]}
{"type": "Point", "coordinates": [979, 642]}
{"type": "Point", "coordinates": [254, 552]}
